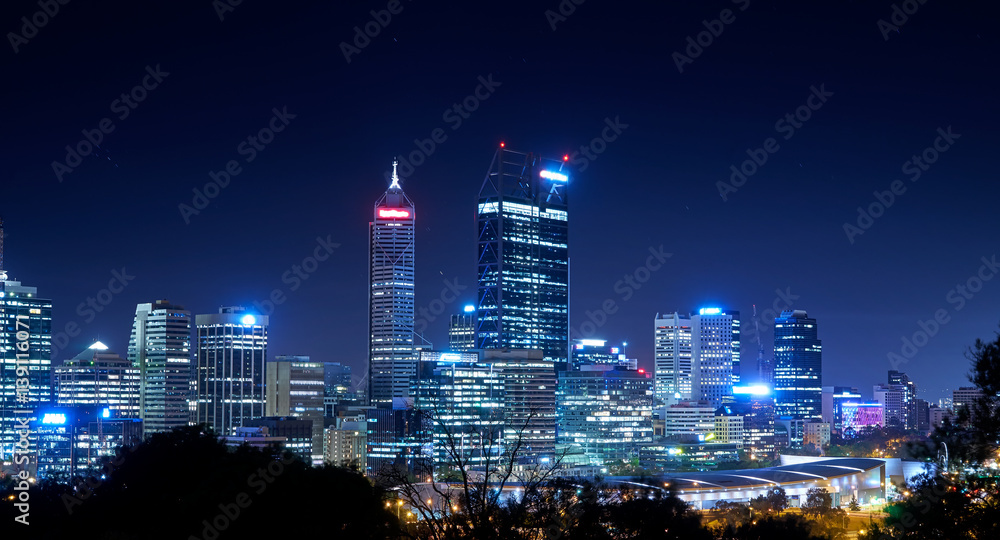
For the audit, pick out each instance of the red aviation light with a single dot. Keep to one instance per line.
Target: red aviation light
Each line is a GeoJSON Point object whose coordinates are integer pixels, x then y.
{"type": "Point", "coordinates": [501, 144]}
{"type": "Point", "coordinates": [393, 213]}
{"type": "Point", "coordinates": [565, 157]}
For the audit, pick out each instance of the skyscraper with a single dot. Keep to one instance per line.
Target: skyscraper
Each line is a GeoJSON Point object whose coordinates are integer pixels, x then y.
{"type": "Point", "coordinates": [25, 364]}
{"type": "Point", "coordinates": [798, 364]}
{"type": "Point", "coordinates": [232, 349]}
{"type": "Point", "coordinates": [462, 330]}
{"type": "Point", "coordinates": [391, 361]}
{"type": "Point", "coordinates": [294, 387]}
{"type": "Point", "coordinates": [529, 383]}
{"type": "Point", "coordinates": [160, 346]}
{"type": "Point", "coordinates": [98, 377]}
{"type": "Point", "coordinates": [523, 257]}
{"type": "Point", "coordinates": [695, 355]}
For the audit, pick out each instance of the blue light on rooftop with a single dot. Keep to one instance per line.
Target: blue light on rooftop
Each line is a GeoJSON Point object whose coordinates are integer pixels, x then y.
{"type": "Point", "coordinates": [249, 320]}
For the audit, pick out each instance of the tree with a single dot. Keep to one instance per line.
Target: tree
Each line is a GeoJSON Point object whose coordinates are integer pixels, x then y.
{"type": "Point", "coordinates": [853, 505]}
{"type": "Point", "coordinates": [818, 503]}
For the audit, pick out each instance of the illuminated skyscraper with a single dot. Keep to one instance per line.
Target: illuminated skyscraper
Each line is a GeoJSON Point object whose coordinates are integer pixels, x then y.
{"type": "Point", "coordinates": [25, 366]}
{"type": "Point", "coordinates": [232, 348]}
{"type": "Point", "coordinates": [294, 387]}
{"type": "Point", "coordinates": [798, 364]}
{"type": "Point", "coordinates": [98, 377]}
{"type": "Point", "coordinates": [462, 330]}
{"type": "Point", "coordinates": [392, 363]}
{"type": "Point", "coordinates": [523, 262]}
{"type": "Point", "coordinates": [160, 346]}
{"type": "Point", "coordinates": [695, 356]}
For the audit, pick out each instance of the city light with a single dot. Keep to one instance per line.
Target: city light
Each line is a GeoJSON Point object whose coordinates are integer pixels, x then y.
{"type": "Point", "coordinates": [54, 418]}
{"type": "Point", "coordinates": [755, 390]}
{"type": "Point", "coordinates": [709, 311]}
{"type": "Point", "coordinates": [470, 308]}
{"type": "Point", "coordinates": [393, 213]}
{"type": "Point", "coordinates": [248, 320]}
{"type": "Point", "coordinates": [552, 175]}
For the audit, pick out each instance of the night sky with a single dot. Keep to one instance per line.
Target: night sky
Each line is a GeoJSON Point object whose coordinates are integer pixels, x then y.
{"type": "Point", "coordinates": [885, 94]}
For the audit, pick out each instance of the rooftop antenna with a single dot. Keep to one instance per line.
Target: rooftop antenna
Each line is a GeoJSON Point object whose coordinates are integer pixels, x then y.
{"type": "Point", "coordinates": [395, 177]}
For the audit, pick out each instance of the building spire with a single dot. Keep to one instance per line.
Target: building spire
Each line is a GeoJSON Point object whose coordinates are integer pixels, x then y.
{"type": "Point", "coordinates": [395, 177]}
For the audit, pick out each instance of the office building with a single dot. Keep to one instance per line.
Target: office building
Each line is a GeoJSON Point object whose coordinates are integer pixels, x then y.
{"type": "Point", "coordinates": [232, 348]}
{"type": "Point", "coordinates": [160, 346]}
{"type": "Point", "coordinates": [294, 387]}
{"type": "Point", "coordinates": [523, 256]}
{"type": "Point", "coordinates": [297, 434]}
{"type": "Point", "coordinates": [597, 351]}
{"type": "Point", "coordinates": [461, 401]}
{"type": "Point", "coordinates": [834, 398]}
{"type": "Point", "coordinates": [529, 399]}
{"type": "Point", "coordinates": [729, 426]}
{"type": "Point", "coordinates": [345, 444]}
{"type": "Point", "coordinates": [909, 397]}
{"type": "Point", "coordinates": [25, 363]}
{"type": "Point", "coordinates": [816, 435]}
{"type": "Point", "coordinates": [965, 398]}
{"type": "Point", "coordinates": [392, 362]}
{"type": "Point", "coordinates": [689, 418]}
{"type": "Point", "coordinates": [923, 416]}
{"type": "Point", "coordinates": [892, 398]}
{"type": "Point", "coordinates": [74, 440]}
{"type": "Point", "coordinates": [756, 404]}
{"type": "Point", "coordinates": [605, 409]}
{"type": "Point", "coordinates": [462, 330]}
{"type": "Point", "coordinates": [695, 356]}
{"type": "Point", "coordinates": [98, 377]}
{"type": "Point", "coordinates": [798, 365]}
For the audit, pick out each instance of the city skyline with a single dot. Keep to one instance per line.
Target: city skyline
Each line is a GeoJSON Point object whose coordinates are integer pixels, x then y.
{"type": "Point", "coordinates": [664, 135]}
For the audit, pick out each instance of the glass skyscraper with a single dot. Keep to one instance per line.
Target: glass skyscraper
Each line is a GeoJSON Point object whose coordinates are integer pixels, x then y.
{"type": "Point", "coordinates": [695, 355]}
{"type": "Point", "coordinates": [160, 346]}
{"type": "Point", "coordinates": [392, 362]}
{"type": "Point", "coordinates": [98, 377]}
{"type": "Point", "coordinates": [523, 256]}
{"type": "Point", "coordinates": [462, 330]}
{"type": "Point", "coordinates": [232, 348]}
{"type": "Point", "coordinates": [25, 363]}
{"type": "Point", "coordinates": [798, 364]}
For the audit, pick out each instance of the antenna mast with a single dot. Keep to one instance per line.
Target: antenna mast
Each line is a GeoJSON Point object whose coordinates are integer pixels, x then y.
{"type": "Point", "coordinates": [3, 274]}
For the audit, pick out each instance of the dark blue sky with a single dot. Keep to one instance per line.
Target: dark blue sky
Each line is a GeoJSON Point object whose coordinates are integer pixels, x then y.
{"type": "Point", "coordinates": [655, 185]}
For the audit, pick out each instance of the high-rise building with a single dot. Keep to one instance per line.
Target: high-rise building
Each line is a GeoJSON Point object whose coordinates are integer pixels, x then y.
{"type": "Point", "coordinates": [160, 346]}
{"type": "Point", "coordinates": [345, 443]}
{"type": "Point", "coordinates": [74, 440]}
{"type": "Point", "coordinates": [605, 409]}
{"type": "Point", "coordinates": [25, 363]}
{"type": "Point", "coordinates": [695, 356]}
{"type": "Point", "coordinates": [392, 362]}
{"type": "Point", "coordinates": [909, 388]}
{"type": "Point", "coordinates": [462, 401]}
{"type": "Point", "coordinates": [689, 418]}
{"type": "Point", "coordinates": [232, 350]}
{"type": "Point", "coordinates": [966, 397]}
{"type": "Point", "coordinates": [294, 387]}
{"type": "Point", "coordinates": [756, 404]}
{"type": "Point", "coordinates": [529, 399]}
{"type": "Point", "coordinates": [597, 351]}
{"type": "Point", "coordinates": [729, 426]}
{"type": "Point", "coordinates": [462, 330]}
{"type": "Point", "coordinates": [523, 262]}
{"type": "Point", "coordinates": [98, 377]}
{"type": "Point", "coordinates": [798, 369]}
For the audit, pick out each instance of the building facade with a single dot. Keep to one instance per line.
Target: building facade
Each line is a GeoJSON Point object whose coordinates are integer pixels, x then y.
{"type": "Point", "coordinates": [392, 362]}
{"type": "Point", "coordinates": [523, 256]}
{"type": "Point", "coordinates": [160, 347]}
{"type": "Point", "coordinates": [294, 387]}
{"type": "Point", "coordinates": [606, 410]}
{"type": "Point", "coordinates": [462, 330]}
{"type": "Point", "coordinates": [696, 356]}
{"type": "Point", "coordinates": [529, 399]}
{"type": "Point", "coordinates": [98, 377]}
{"type": "Point", "coordinates": [798, 369]}
{"type": "Point", "coordinates": [25, 357]}
{"type": "Point", "coordinates": [232, 348]}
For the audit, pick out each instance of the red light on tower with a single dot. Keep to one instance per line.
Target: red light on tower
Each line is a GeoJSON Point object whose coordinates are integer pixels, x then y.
{"type": "Point", "coordinates": [642, 370]}
{"type": "Point", "coordinates": [393, 213]}
{"type": "Point", "coordinates": [501, 144]}
{"type": "Point", "coordinates": [566, 157]}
